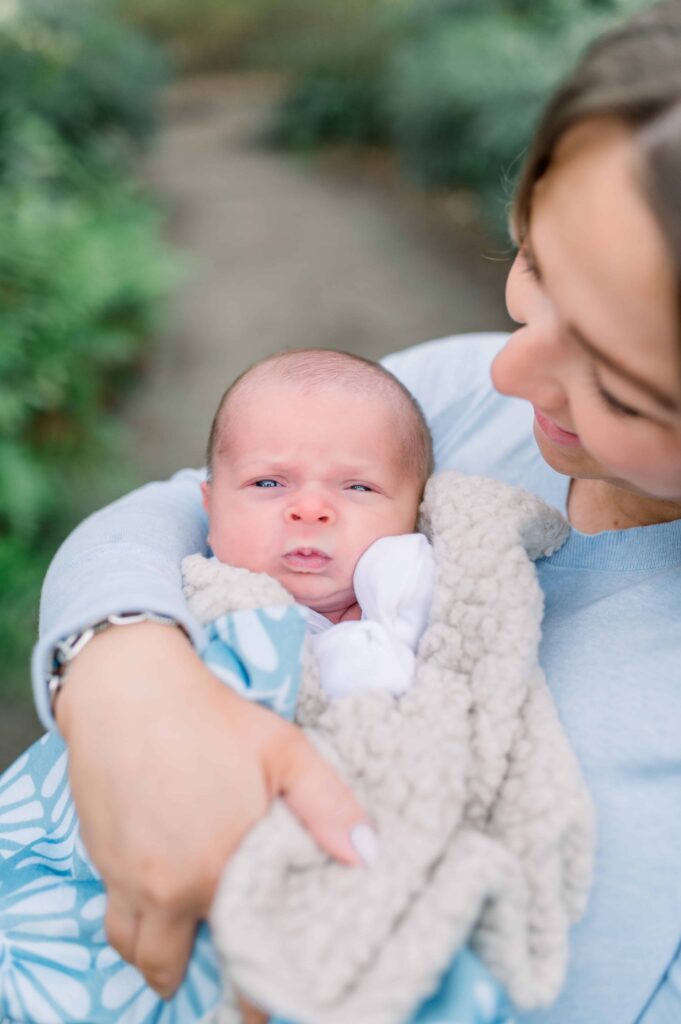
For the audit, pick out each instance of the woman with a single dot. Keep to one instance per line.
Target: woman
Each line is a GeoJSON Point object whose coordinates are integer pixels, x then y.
{"type": "Point", "coordinates": [597, 360]}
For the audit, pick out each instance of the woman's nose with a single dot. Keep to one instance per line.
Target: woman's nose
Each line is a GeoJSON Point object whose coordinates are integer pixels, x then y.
{"type": "Point", "coordinates": [532, 364]}
{"type": "Point", "coordinates": [311, 508]}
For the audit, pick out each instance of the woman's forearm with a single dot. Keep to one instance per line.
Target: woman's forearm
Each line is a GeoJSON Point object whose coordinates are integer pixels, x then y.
{"type": "Point", "coordinates": [125, 557]}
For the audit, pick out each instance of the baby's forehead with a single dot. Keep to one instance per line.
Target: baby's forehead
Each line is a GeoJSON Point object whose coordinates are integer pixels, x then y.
{"type": "Point", "coordinates": [277, 394]}
{"type": "Point", "coordinates": [315, 389]}
{"type": "Point", "coordinates": [329, 428]}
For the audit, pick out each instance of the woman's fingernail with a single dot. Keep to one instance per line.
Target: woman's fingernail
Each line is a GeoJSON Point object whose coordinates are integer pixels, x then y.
{"type": "Point", "coordinates": [365, 842]}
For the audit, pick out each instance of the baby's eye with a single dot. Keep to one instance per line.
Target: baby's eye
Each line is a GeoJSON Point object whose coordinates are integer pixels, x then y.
{"type": "Point", "coordinates": [360, 487]}
{"type": "Point", "coordinates": [265, 483]}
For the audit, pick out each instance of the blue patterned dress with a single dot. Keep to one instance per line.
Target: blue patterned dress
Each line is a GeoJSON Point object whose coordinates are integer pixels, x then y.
{"type": "Point", "coordinates": [56, 966]}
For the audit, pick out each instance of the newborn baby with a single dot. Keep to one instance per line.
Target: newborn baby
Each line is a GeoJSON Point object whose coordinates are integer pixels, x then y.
{"type": "Point", "coordinates": [317, 465]}
{"type": "Point", "coordinates": [317, 462]}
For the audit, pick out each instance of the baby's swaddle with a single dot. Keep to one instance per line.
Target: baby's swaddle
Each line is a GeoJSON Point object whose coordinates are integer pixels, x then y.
{"type": "Point", "coordinates": [486, 829]}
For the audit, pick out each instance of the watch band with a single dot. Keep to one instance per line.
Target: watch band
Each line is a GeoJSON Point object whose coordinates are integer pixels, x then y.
{"type": "Point", "coordinates": [66, 650]}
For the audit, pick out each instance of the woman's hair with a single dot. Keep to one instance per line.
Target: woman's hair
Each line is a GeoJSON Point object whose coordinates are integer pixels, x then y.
{"type": "Point", "coordinates": [631, 73]}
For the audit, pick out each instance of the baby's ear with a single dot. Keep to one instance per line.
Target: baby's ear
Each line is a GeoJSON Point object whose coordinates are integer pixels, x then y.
{"type": "Point", "coordinates": [205, 491]}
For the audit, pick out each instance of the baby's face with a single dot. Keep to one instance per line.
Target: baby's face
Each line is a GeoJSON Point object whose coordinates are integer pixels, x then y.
{"type": "Point", "coordinates": [305, 485]}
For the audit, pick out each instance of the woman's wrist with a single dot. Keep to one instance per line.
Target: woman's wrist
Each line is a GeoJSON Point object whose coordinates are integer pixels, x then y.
{"type": "Point", "coordinates": [84, 683]}
{"type": "Point", "coordinates": [67, 650]}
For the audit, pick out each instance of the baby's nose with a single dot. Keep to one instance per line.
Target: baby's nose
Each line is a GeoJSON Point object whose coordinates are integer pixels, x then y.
{"type": "Point", "coordinates": [311, 509]}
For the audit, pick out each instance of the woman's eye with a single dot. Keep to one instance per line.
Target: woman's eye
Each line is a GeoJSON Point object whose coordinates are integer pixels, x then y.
{"type": "Point", "coordinates": [266, 483]}
{"type": "Point", "coordinates": [614, 404]}
{"type": "Point", "coordinates": [528, 265]}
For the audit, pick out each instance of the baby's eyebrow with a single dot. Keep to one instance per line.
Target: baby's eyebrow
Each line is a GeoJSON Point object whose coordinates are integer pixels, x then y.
{"type": "Point", "coordinates": [345, 469]}
{"type": "Point", "coordinates": [262, 462]}
{"type": "Point", "coordinates": [355, 469]}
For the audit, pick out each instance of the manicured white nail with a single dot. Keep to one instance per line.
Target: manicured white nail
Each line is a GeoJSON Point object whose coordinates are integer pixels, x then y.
{"type": "Point", "coordinates": [365, 842]}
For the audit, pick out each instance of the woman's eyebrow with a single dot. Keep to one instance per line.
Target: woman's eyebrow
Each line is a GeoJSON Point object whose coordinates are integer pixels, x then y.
{"type": "Point", "coordinates": [668, 402]}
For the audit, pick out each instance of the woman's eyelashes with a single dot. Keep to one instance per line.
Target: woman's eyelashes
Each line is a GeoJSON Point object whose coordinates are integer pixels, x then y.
{"type": "Point", "coordinates": [612, 403]}
{"type": "Point", "coordinates": [528, 266]}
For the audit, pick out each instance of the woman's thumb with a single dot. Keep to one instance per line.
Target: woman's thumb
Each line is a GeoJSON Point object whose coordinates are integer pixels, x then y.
{"type": "Point", "coordinates": [324, 804]}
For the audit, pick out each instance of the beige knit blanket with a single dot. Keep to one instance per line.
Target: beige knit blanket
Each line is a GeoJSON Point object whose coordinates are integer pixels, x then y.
{"type": "Point", "coordinates": [486, 829]}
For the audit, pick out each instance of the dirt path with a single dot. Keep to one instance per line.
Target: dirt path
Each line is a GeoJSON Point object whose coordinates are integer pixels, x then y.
{"type": "Point", "coordinates": [285, 252]}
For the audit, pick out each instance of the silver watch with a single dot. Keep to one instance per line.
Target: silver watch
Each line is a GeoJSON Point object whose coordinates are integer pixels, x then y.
{"type": "Point", "coordinates": [66, 650]}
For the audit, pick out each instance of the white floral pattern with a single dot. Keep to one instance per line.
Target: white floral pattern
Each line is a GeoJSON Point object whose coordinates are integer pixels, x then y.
{"type": "Point", "coordinates": [55, 964]}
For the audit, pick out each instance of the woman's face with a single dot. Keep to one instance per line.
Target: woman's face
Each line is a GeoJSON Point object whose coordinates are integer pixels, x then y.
{"type": "Point", "coordinates": [594, 290]}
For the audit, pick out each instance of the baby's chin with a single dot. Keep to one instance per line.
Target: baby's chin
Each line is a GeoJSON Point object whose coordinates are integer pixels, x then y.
{"type": "Point", "coordinates": [317, 593]}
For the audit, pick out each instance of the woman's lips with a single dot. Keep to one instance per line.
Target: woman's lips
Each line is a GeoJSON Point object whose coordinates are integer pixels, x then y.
{"type": "Point", "coordinates": [306, 560]}
{"type": "Point", "coordinates": [556, 433]}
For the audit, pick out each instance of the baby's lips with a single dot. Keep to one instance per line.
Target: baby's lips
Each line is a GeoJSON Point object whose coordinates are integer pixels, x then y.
{"type": "Point", "coordinates": [306, 551]}
{"type": "Point", "coordinates": [309, 559]}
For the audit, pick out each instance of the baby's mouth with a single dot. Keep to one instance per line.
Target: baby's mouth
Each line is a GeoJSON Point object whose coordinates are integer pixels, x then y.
{"type": "Point", "coordinates": [306, 559]}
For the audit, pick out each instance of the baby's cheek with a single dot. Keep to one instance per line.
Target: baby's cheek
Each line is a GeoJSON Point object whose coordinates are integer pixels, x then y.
{"type": "Point", "coordinates": [218, 546]}
{"type": "Point", "coordinates": [234, 541]}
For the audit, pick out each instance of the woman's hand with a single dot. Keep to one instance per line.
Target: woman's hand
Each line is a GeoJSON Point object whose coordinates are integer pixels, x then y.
{"type": "Point", "coordinates": [251, 1014]}
{"type": "Point", "coordinates": [169, 769]}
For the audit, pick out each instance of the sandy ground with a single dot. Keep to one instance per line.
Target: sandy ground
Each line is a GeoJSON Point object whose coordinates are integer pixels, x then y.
{"type": "Point", "coordinates": [283, 251]}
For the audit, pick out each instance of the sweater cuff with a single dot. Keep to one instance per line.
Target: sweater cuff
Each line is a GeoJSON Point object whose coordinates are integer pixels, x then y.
{"type": "Point", "coordinates": [142, 597]}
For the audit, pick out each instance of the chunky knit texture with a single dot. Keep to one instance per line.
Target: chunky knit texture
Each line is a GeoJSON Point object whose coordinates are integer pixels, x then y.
{"type": "Point", "coordinates": [486, 829]}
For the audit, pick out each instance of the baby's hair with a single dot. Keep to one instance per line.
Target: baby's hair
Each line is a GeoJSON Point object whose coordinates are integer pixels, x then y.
{"type": "Point", "coordinates": [313, 368]}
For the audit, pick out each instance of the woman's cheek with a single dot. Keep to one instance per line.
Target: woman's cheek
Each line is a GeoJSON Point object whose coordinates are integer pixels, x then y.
{"type": "Point", "coordinates": [610, 441]}
{"type": "Point", "coordinates": [637, 453]}
{"type": "Point", "coordinates": [658, 467]}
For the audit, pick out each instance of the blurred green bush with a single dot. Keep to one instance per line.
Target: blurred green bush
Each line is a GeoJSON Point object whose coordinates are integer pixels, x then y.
{"type": "Point", "coordinates": [82, 272]}
{"type": "Point", "coordinates": [455, 86]}
{"type": "Point", "coordinates": [223, 34]}
{"type": "Point", "coordinates": [77, 65]}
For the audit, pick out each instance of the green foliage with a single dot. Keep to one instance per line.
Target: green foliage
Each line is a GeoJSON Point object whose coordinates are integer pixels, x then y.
{"type": "Point", "coordinates": [233, 33]}
{"type": "Point", "coordinates": [83, 271]}
{"type": "Point", "coordinates": [338, 92]}
{"type": "Point", "coordinates": [463, 101]}
{"type": "Point", "coordinates": [324, 108]}
{"type": "Point", "coordinates": [338, 79]}
{"type": "Point", "coordinates": [21, 570]}
{"type": "Point", "coordinates": [79, 283]}
{"type": "Point", "coordinates": [201, 34]}
{"type": "Point", "coordinates": [454, 85]}
{"type": "Point", "coordinates": [75, 65]}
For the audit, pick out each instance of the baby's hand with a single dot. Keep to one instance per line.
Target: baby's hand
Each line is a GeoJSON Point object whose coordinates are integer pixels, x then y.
{"type": "Point", "coordinates": [169, 769]}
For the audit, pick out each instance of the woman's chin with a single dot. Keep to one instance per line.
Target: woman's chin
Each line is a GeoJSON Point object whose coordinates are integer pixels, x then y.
{"type": "Point", "coordinates": [568, 460]}
{"type": "Point", "coordinates": [578, 464]}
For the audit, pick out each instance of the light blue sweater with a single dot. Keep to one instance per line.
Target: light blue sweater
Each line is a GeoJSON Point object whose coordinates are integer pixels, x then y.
{"type": "Point", "coordinates": [611, 651]}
